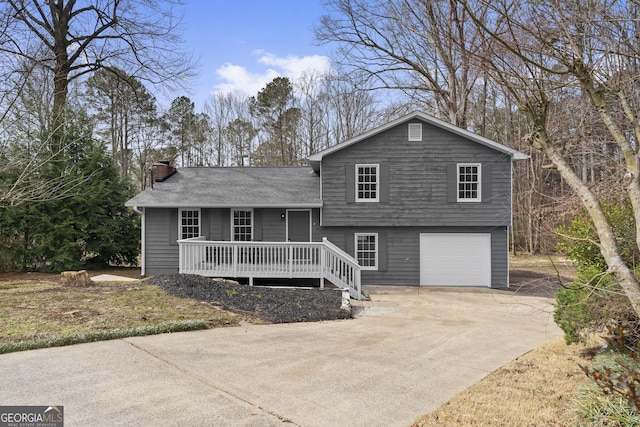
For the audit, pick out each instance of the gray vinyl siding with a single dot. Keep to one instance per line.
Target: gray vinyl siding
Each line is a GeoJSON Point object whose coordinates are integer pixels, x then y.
{"type": "Point", "coordinates": [161, 255]}
{"type": "Point", "coordinates": [161, 248]}
{"type": "Point", "coordinates": [274, 226]}
{"type": "Point", "coordinates": [402, 252]}
{"type": "Point", "coordinates": [415, 189]}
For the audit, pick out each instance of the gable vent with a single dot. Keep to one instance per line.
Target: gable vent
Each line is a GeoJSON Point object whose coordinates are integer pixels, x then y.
{"type": "Point", "coordinates": [415, 131]}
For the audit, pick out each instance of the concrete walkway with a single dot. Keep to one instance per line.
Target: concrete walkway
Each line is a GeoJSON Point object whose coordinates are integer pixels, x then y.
{"type": "Point", "coordinates": [410, 351]}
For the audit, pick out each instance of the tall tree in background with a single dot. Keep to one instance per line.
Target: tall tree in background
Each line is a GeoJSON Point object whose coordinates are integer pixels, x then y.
{"type": "Point", "coordinates": [417, 46]}
{"type": "Point", "coordinates": [72, 39]}
{"type": "Point", "coordinates": [274, 108]}
{"type": "Point", "coordinates": [240, 133]}
{"type": "Point", "coordinates": [65, 40]}
{"type": "Point", "coordinates": [352, 110]}
{"type": "Point", "coordinates": [180, 123]}
{"type": "Point", "coordinates": [224, 109]}
{"type": "Point", "coordinates": [313, 111]}
{"type": "Point", "coordinates": [201, 134]}
{"type": "Point", "coordinates": [590, 49]}
{"type": "Point", "coordinates": [125, 107]}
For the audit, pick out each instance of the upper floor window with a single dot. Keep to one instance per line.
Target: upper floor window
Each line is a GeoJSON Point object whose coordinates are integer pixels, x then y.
{"type": "Point", "coordinates": [367, 183]}
{"type": "Point", "coordinates": [189, 225]}
{"type": "Point", "coordinates": [242, 227]}
{"type": "Point", "coordinates": [469, 182]}
{"type": "Point", "coordinates": [415, 131]}
{"type": "Point", "coordinates": [367, 250]}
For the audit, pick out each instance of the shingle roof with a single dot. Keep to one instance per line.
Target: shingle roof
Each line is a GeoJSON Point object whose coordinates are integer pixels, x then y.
{"type": "Point", "coordinates": [234, 187]}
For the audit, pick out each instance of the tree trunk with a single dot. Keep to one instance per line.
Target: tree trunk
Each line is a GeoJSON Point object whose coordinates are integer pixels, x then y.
{"type": "Point", "coordinates": [608, 245]}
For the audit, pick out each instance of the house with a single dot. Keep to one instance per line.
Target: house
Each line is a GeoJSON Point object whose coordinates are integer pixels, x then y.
{"type": "Point", "coordinates": [416, 201]}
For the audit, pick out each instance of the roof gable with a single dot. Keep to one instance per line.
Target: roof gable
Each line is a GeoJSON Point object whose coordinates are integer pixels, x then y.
{"type": "Point", "coordinates": [316, 158]}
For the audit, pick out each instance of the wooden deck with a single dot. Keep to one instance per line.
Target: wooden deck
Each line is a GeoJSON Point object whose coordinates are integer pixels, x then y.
{"type": "Point", "coordinates": [319, 260]}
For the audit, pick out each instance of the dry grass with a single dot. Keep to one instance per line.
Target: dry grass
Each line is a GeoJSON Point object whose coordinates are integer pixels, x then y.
{"type": "Point", "coordinates": [536, 389]}
{"type": "Point", "coordinates": [42, 310]}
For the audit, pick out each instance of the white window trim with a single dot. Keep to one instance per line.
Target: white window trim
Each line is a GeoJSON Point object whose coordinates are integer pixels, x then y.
{"type": "Point", "coordinates": [377, 249]}
{"type": "Point", "coordinates": [368, 165]}
{"type": "Point", "coordinates": [233, 224]}
{"type": "Point", "coordinates": [180, 210]}
{"type": "Point", "coordinates": [415, 126]}
{"type": "Point", "coordinates": [465, 200]}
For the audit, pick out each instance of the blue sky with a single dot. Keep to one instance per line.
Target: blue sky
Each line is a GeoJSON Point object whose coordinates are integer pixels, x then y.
{"type": "Point", "coordinates": [244, 44]}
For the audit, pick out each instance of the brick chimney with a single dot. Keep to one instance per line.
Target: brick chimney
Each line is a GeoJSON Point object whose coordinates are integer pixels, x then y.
{"type": "Point", "coordinates": [161, 171]}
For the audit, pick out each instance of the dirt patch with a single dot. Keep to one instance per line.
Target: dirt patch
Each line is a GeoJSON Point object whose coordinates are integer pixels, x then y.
{"type": "Point", "coordinates": [272, 304]}
{"type": "Point", "coordinates": [131, 272]}
{"type": "Point", "coordinates": [539, 276]}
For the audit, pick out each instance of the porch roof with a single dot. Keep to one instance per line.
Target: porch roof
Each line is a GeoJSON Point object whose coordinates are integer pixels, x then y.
{"type": "Point", "coordinates": [237, 187]}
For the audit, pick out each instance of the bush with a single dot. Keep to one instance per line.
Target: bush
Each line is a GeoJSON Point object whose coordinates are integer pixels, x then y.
{"type": "Point", "coordinates": [591, 303]}
{"type": "Point", "coordinates": [616, 373]}
{"type": "Point", "coordinates": [580, 241]}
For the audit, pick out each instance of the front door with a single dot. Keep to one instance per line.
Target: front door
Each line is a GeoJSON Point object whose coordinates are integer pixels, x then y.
{"type": "Point", "coordinates": [298, 225]}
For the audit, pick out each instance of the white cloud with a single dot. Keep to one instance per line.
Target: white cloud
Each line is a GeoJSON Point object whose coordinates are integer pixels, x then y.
{"type": "Point", "coordinates": [239, 78]}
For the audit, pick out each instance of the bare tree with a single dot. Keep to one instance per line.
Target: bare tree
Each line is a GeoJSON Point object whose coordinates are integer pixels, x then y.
{"type": "Point", "coordinates": [351, 110]}
{"type": "Point", "coordinates": [587, 47]}
{"type": "Point", "coordinates": [418, 46]}
{"type": "Point", "coordinates": [313, 102]}
{"type": "Point", "coordinates": [63, 41]}
{"type": "Point", "coordinates": [25, 148]}
{"type": "Point", "coordinates": [71, 38]}
{"type": "Point", "coordinates": [230, 144]}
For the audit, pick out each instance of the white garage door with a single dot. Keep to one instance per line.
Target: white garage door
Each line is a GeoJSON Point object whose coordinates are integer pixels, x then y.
{"type": "Point", "coordinates": [455, 259]}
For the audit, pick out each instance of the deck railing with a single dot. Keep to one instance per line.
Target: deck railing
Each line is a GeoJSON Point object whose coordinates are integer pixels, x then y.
{"type": "Point", "coordinates": [321, 260]}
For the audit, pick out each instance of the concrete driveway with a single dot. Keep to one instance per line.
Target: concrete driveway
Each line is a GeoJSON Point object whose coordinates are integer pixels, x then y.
{"type": "Point", "coordinates": [411, 351]}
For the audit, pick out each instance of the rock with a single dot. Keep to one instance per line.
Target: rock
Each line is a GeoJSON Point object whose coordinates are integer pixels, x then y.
{"type": "Point", "coordinates": [75, 278]}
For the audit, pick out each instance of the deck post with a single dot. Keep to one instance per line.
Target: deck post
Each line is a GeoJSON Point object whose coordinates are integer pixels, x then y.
{"type": "Point", "coordinates": [290, 262]}
{"type": "Point", "coordinates": [322, 261]}
{"type": "Point", "coordinates": [235, 260]}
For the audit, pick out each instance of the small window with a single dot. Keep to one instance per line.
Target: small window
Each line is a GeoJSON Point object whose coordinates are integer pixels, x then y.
{"type": "Point", "coordinates": [469, 182]}
{"type": "Point", "coordinates": [242, 227]}
{"type": "Point", "coordinates": [189, 225]}
{"type": "Point", "coordinates": [367, 183]}
{"type": "Point", "coordinates": [367, 250]}
{"type": "Point", "coordinates": [415, 131]}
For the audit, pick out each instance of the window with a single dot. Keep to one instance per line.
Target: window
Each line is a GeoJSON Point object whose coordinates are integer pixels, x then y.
{"type": "Point", "coordinates": [415, 131]}
{"type": "Point", "coordinates": [468, 182]}
{"type": "Point", "coordinates": [242, 228]}
{"type": "Point", "coordinates": [367, 183]}
{"type": "Point", "coordinates": [189, 225]}
{"type": "Point", "coordinates": [367, 250]}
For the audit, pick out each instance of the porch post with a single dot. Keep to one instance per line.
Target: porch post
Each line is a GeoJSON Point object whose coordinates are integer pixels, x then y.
{"type": "Point", "coordinates": [290, 261]}
{"type": "Point", "coordinates": [235, 260]}
{"type": "Point", "coordinates": [322, 261]}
